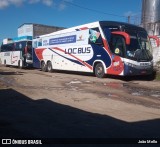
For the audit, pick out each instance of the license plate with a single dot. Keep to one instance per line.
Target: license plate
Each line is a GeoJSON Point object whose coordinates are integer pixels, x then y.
{"type": "Point", "coordinates": [144, 64]}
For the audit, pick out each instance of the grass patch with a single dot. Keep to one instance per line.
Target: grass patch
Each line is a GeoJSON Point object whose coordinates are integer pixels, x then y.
{"type": "Point", "coordinates": [158, 76]}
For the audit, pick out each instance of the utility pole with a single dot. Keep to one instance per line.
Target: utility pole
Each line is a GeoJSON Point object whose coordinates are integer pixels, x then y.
{"type": "Point", "coordinates": [129, 18]}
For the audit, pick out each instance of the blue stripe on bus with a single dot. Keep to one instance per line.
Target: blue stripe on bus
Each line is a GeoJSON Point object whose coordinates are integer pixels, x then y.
{"type": "Point", "coordinates": [75, 61]}
{"type": "Point", "coordinates": [104, 56]}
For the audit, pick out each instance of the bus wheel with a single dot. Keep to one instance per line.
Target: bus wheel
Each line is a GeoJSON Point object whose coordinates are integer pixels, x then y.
{"type": "Point", "coordinates": [49, 67]}
{"type": "Point", "coordinates": [99, 70]}
{"type": "Point", "coordinates": [20, 64]}
{"type": "Point", "coordinates": [5, 63]}
{"type": "Point", "coordinates": [43, 67]}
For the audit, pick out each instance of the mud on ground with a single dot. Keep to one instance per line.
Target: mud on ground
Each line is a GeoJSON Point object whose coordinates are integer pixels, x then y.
{"type": "Point", "coordinates": [39, 104]}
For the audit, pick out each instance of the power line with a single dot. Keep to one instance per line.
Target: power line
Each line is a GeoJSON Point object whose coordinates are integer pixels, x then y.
{"type": "Point", "coordinates": [93, 10]}
{"type": "Point", "coordinates": [129, 17]}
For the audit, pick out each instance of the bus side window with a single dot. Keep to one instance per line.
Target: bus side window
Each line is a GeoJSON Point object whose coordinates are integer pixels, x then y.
{"type": "Point", "coordinates": [17, 46]}
{"type": "Point", "coordinates": [95, 36]}
{"type": "Point", "coordinates": [35, 44]}
{"type": "Point", "coordinates": [40, 42]}
{"type": "Point", "coordinates": [3, 48]}
{"type": "Point", "coordinates": [117, 45]}
{"type": "Point", "coordinates": [10, 47]}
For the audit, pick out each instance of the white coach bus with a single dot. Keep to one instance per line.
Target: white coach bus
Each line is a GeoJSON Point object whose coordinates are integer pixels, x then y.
{"type": "Point", "coordinates": [103, 47]}
{"type": "Point", "coordinates": [16, 54]}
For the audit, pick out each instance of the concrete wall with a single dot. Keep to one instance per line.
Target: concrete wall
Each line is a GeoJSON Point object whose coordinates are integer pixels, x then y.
{"type": "Point", "coordinates": [35, 30]}
{"type": "Point", "coordinates": [156, 56]}
{"type": "Point", "coordinates": [43, 29]}
{"type": "Point", "coordinates": [25, 30]}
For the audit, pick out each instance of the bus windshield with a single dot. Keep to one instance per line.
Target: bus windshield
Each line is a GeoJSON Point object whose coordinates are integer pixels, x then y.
{"type": "Point", "coordinates": [139, 48]}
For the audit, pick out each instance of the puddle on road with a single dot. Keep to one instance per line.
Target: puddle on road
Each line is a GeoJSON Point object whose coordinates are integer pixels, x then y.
{"type": "Point", "coordinates": [136, 94]}
{"type": "Point", "coordinates": [7, 81]}
{"type": "Point", "coordinates": [156, 95]}
{"type": "Point", "coordinates": [140, 91]}
{"type": "Point", "coordinates": [76, 85]}
{"type": "Point", "coordinates": [114, 85]}
{"type": "Point", "coordinates": [74, 82]}
{"type": "Point", "coordinates": [132, 88]}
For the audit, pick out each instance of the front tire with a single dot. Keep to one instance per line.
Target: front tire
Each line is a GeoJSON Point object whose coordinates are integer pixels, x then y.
{"type": "Point", "coordinates": [99, 71]}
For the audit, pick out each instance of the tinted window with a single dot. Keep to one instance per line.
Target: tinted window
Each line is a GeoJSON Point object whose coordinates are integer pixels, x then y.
{"type": "Point", "coordinates": [117, 45]}
{"type": "Point", "coordinates": [21, 45]}
{"type": "Point", "coordinates": [7, 47]}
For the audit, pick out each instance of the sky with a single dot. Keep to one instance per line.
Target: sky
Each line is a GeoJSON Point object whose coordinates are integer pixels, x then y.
{"type": "Point", "coordinates": [64, 13]}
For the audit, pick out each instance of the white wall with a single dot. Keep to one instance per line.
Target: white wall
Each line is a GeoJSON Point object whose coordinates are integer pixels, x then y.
{"type": "Point", "coordinates": [25, 30]}
{"type": "Point", "coordinates": [156, 55]}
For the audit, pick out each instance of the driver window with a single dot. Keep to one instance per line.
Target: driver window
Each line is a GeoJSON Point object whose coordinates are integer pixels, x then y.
{"type": "Point", "coordinates": [117, 45]}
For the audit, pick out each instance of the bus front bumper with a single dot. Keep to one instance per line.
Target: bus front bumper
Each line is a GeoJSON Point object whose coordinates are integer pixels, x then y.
{"type": "Point", "coordinates": [142, 68]}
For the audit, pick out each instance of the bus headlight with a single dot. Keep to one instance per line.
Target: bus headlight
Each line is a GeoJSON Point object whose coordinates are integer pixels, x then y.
{"type": "Point", "coordinates": [132, 65]}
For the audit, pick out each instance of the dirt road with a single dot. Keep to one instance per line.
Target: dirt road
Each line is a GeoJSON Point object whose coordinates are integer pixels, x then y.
{"type": "Point", "coordinates": [38, 104]}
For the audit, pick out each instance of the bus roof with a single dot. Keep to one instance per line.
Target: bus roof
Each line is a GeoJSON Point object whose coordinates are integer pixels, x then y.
{"type": "Point", "coordinates": [71, 29]}
{"type": "Point", "coordinates": [96, 24]}
{"type": "Point", "coordinates": [121, 25]}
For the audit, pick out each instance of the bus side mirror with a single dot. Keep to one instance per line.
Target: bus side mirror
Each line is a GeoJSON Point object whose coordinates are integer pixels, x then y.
{"type": "Point", "coordinates": [125, 35]}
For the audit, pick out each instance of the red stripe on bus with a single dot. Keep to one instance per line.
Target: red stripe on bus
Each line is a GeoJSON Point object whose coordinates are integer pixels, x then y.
{"type": "Point", "coordinates": [83, 62]}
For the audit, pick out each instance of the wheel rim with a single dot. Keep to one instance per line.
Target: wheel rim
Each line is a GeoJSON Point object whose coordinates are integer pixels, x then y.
{"type": "Point", "coordinates": [49, 66]}
{"type": "Point", "coordinates": [99, 70]}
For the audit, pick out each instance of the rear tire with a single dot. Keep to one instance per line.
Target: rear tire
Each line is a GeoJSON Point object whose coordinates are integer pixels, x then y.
{"type": "Point", "coordinates": [49, 67]}
{"type": "Point", "coordinates": [20, 64]}
{"type": "Point", "coordinates": [43, 67]}
{"type": "Point", "coordinates": [99, 71]}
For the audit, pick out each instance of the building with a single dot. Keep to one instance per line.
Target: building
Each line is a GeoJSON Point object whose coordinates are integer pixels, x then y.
{"type": "Point", "coordinates": [34, 30]}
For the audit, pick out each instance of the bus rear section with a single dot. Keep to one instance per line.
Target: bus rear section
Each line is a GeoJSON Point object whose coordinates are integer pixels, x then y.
{"type": "Point", "coordinates": [101, 48]}
{"type": "Point", "coordinates": [17, 54]}
{"type": "Point", "coordinates": [67, 51]}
